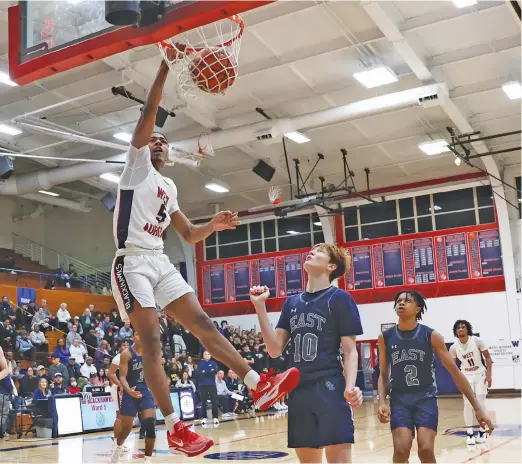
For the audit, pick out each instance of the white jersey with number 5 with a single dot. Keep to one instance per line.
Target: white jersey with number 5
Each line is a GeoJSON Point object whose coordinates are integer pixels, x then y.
{"type": "Point", "coordinates": [469, 355]}
{"type": "Point", "coordinates": [145, 202]}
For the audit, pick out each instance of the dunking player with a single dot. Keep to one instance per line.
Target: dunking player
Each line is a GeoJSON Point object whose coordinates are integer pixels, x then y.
{"type": "Point", "coordinates": [116, 388]}
{"type": "Point", "coordinates": [319, 321]}
{"type": "Point", "coordinates": [135, 399]}
{"type": "Point", "coordinates": [408, 349]}
{"type": "Point", "coordinates": [143, 276]}
{"type": "Point", "coordinates": [469, 350]}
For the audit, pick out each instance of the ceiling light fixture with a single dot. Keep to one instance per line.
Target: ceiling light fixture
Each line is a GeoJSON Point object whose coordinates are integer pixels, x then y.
{"type": "Point", "coordinates": [458, 161]}
{"type": "Point", "coordinates": [125, 136]}
{"type": "Point", "coordinates": [434, 147]}
{"type": "Point", "coordinates": [297, 137]}
{"type": "Point", "coordinates": [111, 177]}
{"type": "Point", "coordinates": [376, 77]}
{"type": "Point", "coordinates": [9, 130]}
{"type": "Point", "coordinates": [51, 194]}
{"type": "Point", "coordinates": [513, 90]}
{"type": "Point", "coordinates": [464, 3]}
{"type": "Point", "coordinates": [5, 79]}
{"type": "Point", "coordinates": [318, 224]}
{"type": "Point", "coordinates": [292, 232]}
{"type": "Point", "coordinates": [217, 186]}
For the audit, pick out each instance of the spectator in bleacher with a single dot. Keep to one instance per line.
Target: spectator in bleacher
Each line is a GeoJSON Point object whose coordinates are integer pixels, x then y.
{"type": "Point", "coordinates": [183, 358]}
{"type": "Point", "coordinates": [74, 389]}
{"type": "Point", "coordinates": [58, 387]}
{"type": "Point", "coordinates": [78, 352]}
{"type": "Point", "coordinates": [57, 366]}
{"type": "Point", "coordinates": [86, 321]}
{"type": "Point", "coordinates": [126, 331]}
{"type": "Point", "coordinates": [42, 393]}
{"type": "Point", "coordinates": [28, 383]}
{"type": "Point", "coordinates": [47, 312]}
{"type": "Point", "coordinates": [63, 317]}
{"type": "Point", "coordinates": [248, 356]}
{"type": "Point", "coordinates": [99, 333]}
{"type": "Point", "coordinates": [106, 323]}
{"type": "Point", "coordinates": [232, 382]}
{"type": "Point", "coordinates": [102, 352]}
{"type": "Point", "coordinates": [102, 378]}
{"type": "Point", "coordinates": [25, 347]}
{"type": "Point", "coordinates": [41, 372]}
{"type": "Point", "coordinates": [5, 309]}
{"type": "Point", "coordinates": [93, 382]}
{"type": "Point", "coordinates": [21, 317]}
{"type": "Point", "coordinates": [173, 372]}
{"type": "Point", "coordinates": [38, 340]}
{"type": "Point", "coordinates": [175, 363]}
{"type": "Point", "coordinates": [185, 382]}
{"type": "Point", "coordinates": [76, 322]}
{"type": "Point", "coordinates": [7, 334]}
{"type": "Point", "coordinates": [12, 367]}
{"type": "Point", "coordinates": [223, 394]}
{"type": "Point", "coordinates": [115, 318]}
{"type": "Point", "coordinates": [258, 358]}
{"type": "Point", "coordinates": [41, 319]}
{"type": "Point", "coordinates": [72, 335]}
{"type": "Point", "coordinates": [62, 351]}
{"type": "Point", "coordinates": [224, 329]}
{"type": "Point", "coordinates": [88, 368]}
{"type": "Point", "coordinates": [92, 343]}
{"type": "Point", "coordinates": [73, 369]}
{"type": "Point", "coordinates": [189, 366]}
{"type": "Point", "coordinates": [109, 336]}
{"type": "Point", "coordinates": [31, 308]}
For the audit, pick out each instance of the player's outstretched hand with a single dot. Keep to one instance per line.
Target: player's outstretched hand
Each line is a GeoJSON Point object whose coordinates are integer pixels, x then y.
{"type": "Point", "coordinates": [383, 413]}
{"type": "Point", "coordinates": [225, 220]}
{"type": "Point", "coordinates": [484, 421]}
{"type": "Point", "coordinates": [354, 397]}
{"type": "Point", "coordinates": [134, 393]}
{"type": "Point", "coordinates": [487, 381]}
{"type": "Point", "coordinates": [259, 294]}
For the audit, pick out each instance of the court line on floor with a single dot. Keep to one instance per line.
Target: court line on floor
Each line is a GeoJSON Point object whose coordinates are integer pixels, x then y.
{"type": "Point", "coordinates": [490, 449]}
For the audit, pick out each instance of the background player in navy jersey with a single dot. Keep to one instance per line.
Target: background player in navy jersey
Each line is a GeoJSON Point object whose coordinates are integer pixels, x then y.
{"type": "Point", "coordinates": [319, 322]}
{"type": "Point", "coordinates": [136, 399]}
{"type": "Point", "coordinates": [407, 351]}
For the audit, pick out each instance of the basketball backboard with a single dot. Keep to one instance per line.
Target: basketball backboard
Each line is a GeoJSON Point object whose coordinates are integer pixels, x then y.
{"type": "Point", "coordinates": [49, 37]}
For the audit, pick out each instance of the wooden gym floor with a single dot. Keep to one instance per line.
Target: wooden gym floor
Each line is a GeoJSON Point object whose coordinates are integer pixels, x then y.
{"type": "Point", "coordinates": [263, 438]}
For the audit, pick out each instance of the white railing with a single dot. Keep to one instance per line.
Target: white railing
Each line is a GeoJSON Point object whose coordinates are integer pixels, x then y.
{"type": "Point", "coordinates": [55, 260]}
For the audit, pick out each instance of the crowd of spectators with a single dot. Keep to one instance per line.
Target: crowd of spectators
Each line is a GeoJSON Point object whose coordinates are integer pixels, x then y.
{"type": "Point", "coordinates": [82, 355]}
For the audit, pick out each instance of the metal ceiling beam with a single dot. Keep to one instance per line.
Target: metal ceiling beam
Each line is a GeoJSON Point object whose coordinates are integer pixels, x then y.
{"type": "Point", "coordinates": [381, 15]}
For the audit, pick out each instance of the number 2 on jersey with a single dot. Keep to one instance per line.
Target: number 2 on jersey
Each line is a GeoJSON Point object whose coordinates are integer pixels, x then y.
{"type": "Point", "coordinates": [411, 375]}
{"type": "Point", "coordinates": [308, 350]}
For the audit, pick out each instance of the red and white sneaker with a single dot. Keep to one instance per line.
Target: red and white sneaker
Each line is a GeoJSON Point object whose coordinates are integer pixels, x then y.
{"type": "Point", "coordinates": [271, 388]}
{"type": "Point", "coordinates": [187, 442]}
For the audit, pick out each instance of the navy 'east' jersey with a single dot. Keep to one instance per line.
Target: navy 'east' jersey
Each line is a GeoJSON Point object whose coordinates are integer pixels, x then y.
{"type": "Point", "coordinates": [135, 371]}
{"type": "Point", "coordinates": [410, 357]}
{"type": "Point", "coordinates": [316, 322]}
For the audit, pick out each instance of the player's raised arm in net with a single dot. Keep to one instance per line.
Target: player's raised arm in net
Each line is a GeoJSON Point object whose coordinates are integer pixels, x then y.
{"type": "Point", "coordinates": [138, 162]}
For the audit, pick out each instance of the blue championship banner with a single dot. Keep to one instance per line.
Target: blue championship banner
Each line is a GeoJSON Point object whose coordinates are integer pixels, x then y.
{"type": "Point", "coordinates": [25, 295]}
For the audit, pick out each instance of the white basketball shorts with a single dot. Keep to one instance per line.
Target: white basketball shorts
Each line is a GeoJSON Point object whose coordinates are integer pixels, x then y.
{"type": "Point", "coordinates": [115, 396]}
{"type": "Point", "coordinates": [478, 383]}
{"type": "Point", "coordinates": [148, 279]}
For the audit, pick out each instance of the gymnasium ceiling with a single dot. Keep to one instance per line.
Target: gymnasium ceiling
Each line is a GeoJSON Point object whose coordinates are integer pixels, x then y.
{"type": "Point", "coordinates": [298, 57]}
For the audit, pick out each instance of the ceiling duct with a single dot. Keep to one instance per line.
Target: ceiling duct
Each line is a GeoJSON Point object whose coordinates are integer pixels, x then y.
{"type": "Point", "coordinates": [46, 178]}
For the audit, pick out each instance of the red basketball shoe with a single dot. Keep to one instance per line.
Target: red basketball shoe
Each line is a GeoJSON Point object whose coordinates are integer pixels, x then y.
{"type": "Point", "coordinates": [271, 388]}
{"type": "Point", "coordinates": [187, 442]}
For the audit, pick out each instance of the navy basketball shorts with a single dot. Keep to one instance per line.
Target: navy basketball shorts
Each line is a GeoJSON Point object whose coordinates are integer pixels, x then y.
{"type": "Point", "coordinates": [414, 410]}
{"type": "Point", "coordinates": [318, 414]}
{"type": "Point", "coordinates": [131, 406]}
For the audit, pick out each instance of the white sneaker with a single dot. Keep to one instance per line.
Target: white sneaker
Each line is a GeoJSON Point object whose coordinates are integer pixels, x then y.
{"type": "Point", "coordinates": [116, 453]}
{"type": "Point", "coordinates": [470, 440]}
{"type": "Point", "coordinates": [277, 406]}
{"type": "Point", "coordinates": [215, 421]}
{"type": "Point", "coordinates": [147, 459]}
{"type": "Point", "coordinates": [203, 421]}
{"type": "Point", "coordinates": [284, 407]}
{"type": "Point", "coordinates": [481, 437]}
{"type": "Point", "coordinates": [225, 415]}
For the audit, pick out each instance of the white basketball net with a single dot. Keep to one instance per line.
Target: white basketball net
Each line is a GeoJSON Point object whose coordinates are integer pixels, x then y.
{"type": "Point", "coordinates": [274, 194]}
{"type": "Point", "coordinates": [205, 59]}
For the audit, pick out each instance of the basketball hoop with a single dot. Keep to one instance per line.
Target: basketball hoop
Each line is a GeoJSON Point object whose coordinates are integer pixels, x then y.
{"type": "Point", "coordinates": [274, 194]}
{"type": "Point", "coordinates": [201, 65]}
{"type": "Point", "coordinates": [204, 145]}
